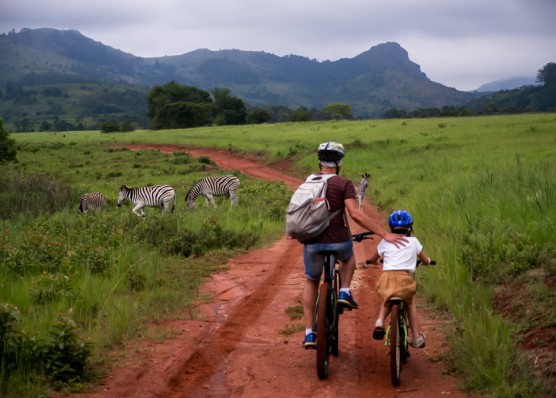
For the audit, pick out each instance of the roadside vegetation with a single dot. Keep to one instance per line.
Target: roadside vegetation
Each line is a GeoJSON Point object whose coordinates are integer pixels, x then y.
{"type": "Point", "coordinates": [481, 189]}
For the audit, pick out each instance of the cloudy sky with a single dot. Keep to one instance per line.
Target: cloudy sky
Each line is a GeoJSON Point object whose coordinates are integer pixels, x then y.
{"type": "Point", "coordinates": [459, 43]}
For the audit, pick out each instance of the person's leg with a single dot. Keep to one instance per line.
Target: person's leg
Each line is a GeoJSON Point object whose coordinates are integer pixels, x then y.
{"type": "Point", "coordinates": [346, 270]}
{"type": "Point", "coordinates": [383, 312]}
{"type": "Point", "coordinates": [378, 332]}
{"type": "Point", "coordinates": [418, 338]}
{"type": "Point", "coordinates": [313, 270]}
{"type": "Point", "coordinates": [310, 292]}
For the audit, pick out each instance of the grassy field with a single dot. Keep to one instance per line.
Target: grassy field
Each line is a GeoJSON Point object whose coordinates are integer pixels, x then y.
{"type": "Point", "coordinates": [482, 191]}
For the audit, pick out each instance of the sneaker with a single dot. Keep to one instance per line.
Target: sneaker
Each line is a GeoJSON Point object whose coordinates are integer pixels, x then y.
{"type": "Point", "coordinates": [420, 342]}
{"type": "Point", "coordinates": [310, 341]}
{"type": "Point", "coordinates": [346, 300]}
{"type": "Point", "coordinates": [378, 332]}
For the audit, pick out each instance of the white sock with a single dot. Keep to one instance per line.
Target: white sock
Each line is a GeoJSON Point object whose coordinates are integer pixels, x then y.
{"type": "Point", "coordinates": [308, 330]}
{"type": "Point", "coordinates": [345, 289]}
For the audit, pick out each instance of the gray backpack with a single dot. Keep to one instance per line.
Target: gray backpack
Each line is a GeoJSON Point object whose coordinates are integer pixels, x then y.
{"type": "Point", "coordinates": [308, 213]}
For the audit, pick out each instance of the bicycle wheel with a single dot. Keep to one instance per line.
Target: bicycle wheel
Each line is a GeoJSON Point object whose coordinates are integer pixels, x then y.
{"type": "Point", "coordinates": [395, 349]}
{"type": "Point", "coordinates": [323, 331]}
{"type": "Point", "coordinates": [336, 316]}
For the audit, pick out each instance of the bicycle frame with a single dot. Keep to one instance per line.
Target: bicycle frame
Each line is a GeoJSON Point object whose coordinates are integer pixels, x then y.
{"type": "Point", "coordinates": [327, 311]}
{"type": "Point", "coordinates": [397, 336]}
{"type": "Point", "coordinates": [397, 339]}
{"type": "Point", "coordinates": [327, 316]}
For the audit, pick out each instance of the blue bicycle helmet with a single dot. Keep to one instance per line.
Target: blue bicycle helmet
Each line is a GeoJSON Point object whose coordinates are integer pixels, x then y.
{"type": "Point", "coordinates": [400, 219]}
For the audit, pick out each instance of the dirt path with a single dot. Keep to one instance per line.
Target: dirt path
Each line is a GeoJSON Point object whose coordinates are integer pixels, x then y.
{"type": "Point", "coordinates": [234, 348]}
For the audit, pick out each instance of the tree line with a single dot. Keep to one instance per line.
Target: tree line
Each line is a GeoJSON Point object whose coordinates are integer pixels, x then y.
{"type": "Point", "coordinates": [173, 106]}
{"type": "Point", "coordinates": [541, 98]}
{"type": "Point", "coordinates": [179, 106]}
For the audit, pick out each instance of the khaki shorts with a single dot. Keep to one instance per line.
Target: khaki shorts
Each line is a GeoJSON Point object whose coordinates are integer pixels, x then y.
{"type": "Point", "coordinates": [396, 284]}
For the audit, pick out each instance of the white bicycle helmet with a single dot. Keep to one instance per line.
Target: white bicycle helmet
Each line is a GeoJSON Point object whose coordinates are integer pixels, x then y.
{"type": "Point", "coordinates": [331, 153]}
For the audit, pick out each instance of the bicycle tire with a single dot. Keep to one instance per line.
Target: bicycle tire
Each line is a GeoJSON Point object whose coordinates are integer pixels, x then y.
{"type": "Point", "coordinates": [323, 331]}
{"type": "Point", "coordinates": [395, 346]}
{"type": "Point", "coordinates": [336, 316]}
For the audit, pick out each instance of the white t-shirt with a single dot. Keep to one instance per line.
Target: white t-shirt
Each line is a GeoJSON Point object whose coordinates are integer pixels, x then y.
{"type": "Point", "coordinates": [402, 258]}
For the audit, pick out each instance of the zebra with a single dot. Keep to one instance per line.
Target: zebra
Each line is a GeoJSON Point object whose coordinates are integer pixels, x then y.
{"type": "Point", "coordinates": [151, 196]}
{"type": "Point", "coordinates": [93, 200]}
{"type": "Point", "coordinates": [213, 186]}
{"type": "Point", "coordinates": [361, 188]}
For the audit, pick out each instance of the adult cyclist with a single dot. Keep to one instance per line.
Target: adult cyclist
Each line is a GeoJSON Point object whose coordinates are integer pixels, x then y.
{"type": "Point", "coordinates": [341, 196]}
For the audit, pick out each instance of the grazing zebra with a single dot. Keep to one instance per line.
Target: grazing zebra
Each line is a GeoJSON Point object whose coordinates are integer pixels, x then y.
{"type": "Point", "coordinates": [94, 200]}
{"type": "Point", "coordinates": [213, 186]}
{"type": "Point", "coordinates": [361, 188]}
{"type": "Point", "coordinates": [152, 196]}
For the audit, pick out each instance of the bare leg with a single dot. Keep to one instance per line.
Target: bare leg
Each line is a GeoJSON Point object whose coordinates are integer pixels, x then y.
{"type": "Point", "coordinates": [346, 270]}
{"type": "Point", "coordinates": [310, 292]}
{"type": "Point", "coordinates": [414, 321]}
{"type": "Point", "coordinates": [384, 311]}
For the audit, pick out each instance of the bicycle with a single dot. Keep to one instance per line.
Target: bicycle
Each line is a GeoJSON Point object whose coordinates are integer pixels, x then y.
{"type": "Point", "coordinates": [327, 311]}
{"type": "Point", "coordinates": [397, 336]}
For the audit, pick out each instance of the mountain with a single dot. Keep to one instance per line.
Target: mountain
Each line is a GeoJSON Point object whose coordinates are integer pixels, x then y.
{"type": "Point", "coordinates": [376, 80]}
{"type": "Point", "coordinates": [507, 84]}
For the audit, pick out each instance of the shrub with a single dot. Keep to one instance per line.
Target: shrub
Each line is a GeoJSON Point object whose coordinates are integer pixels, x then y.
{"type": "Point", "coordinates": [64, 356]}
{"type": "Point", "coordinates": [495, 255]}
{"type": "Point", "coordinates": [47, 288]}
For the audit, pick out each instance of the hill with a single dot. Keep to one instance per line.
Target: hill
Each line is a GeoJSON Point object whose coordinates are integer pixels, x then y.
{"type": "Point", "coordinates": [82, 71]}
{"type": "Point", "coordinates": [507, 84]}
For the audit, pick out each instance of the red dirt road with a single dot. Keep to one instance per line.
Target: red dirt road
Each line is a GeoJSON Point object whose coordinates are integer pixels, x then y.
{"type": "Point", "coordinates": [234, 346]}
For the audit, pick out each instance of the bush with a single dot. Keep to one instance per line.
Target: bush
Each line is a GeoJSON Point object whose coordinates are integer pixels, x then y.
{"type": "Point", "coordinates": [8, 151]}
{"type": "Point", "coordinates": [65, 354]}
{"type": "Point", "coordinates": [495, 255]}
{"type": "Point", "coordinates": [62, 356]}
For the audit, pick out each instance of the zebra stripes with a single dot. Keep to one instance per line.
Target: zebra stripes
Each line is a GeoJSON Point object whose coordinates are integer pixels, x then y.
{"type": "Point", "coordinates": [213, 186]}
{"type": "Point", "coordinates": [152, 196]}
{"type": "Point", "coordinates": [93, 200]}
{"type": "Point", "coordinates": [361, 188]}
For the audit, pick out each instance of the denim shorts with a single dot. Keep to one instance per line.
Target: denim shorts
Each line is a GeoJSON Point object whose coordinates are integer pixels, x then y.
{"type": "Point", "coordinates": [313, 256]}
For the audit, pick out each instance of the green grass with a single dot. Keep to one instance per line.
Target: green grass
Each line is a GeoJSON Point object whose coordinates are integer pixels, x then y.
{"type": "Point", "coordinates": [481, 190]}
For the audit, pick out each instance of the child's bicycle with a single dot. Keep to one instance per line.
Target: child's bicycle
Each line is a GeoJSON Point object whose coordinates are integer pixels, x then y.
{"type": "Point", "coordinates": [327, 311]}
{"type": "Point", "coordinates": [397, 337]}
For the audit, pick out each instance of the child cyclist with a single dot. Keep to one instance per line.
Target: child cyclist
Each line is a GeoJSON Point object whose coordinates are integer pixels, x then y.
{"type": "Point", "coordinates": [397, 279]}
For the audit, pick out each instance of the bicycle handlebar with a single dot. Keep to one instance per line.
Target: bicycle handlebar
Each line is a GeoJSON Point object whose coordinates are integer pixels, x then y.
{"type": "Point", "coordinates": [363, 235]}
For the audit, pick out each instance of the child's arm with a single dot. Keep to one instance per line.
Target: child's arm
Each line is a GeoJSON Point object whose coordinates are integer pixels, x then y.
{"type": "Point", "coordinates": [425, 260]}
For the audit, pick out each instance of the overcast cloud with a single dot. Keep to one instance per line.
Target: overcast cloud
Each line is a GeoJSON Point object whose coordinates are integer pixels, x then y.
{"type": "Point", "coordinates": [459, 43]}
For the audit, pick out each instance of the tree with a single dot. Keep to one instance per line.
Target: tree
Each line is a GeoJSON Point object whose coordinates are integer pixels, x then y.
{"type": "Point", "coordinates": [547, 93]}
{"type": "Point", "coordinates": [8, 151]}
{"type": "Point", "coordinates": [175, 106]}
{"type": "Point", "coordinates": [300, 115]}
{"type": "Point", "coordinates": [109, 127]}
{"type": "Point", "coordinates": [258, 116]}
{"type": "Point", "coordinates": [491, 108]}
{"type": "Point", "coordinates": [339, 110]}
{"type": "Point", "coordinates": [227, 108]}
{"type": "Point", "coordinates": [547, 75]}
